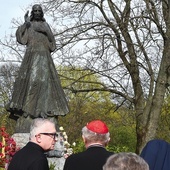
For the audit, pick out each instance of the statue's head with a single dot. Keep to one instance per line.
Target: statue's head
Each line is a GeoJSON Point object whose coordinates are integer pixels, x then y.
{"type": "Point", "coordinates": [37, 13]}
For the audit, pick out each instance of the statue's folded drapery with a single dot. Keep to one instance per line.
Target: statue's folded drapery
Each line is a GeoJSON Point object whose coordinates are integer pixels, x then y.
{"type": "Point", "coordinates": [37, 89]}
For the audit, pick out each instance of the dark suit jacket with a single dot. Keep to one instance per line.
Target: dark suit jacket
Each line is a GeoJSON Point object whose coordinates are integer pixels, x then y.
{"type": "Point", "coordinates": [30, 157]}
{"type": "Point", "coordinates": [92, 159]}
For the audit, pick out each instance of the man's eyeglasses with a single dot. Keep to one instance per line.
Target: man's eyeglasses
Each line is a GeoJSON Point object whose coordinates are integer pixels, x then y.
{"type": "Point", "coordinates": [53, 135]}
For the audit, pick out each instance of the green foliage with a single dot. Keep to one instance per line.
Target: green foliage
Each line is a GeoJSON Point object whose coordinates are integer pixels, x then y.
{"type": "Point", "coordinates": [117, 149]}
{"type": "Point", "coordinates": [79, 146]}
{"type": "Point", "coordinates": [164, 126]}
{"type": "Point", "coordinates": [88, 106]}
{"type": "Point", "coordinates": [9, 124]}
{"type": "Point", "coordinates": [124, 138]}
{"type": "Point", "coordinates": [52, 165]}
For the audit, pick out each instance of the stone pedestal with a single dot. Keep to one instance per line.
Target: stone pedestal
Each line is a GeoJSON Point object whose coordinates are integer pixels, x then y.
{"type": "Point", "coordinates": [22, 139]}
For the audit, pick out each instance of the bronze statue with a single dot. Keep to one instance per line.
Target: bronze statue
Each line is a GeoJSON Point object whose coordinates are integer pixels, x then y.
{"type": "Point", "coordinates": [37, 89]}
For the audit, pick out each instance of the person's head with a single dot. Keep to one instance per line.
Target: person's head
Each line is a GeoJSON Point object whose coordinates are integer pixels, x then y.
{"type": "Point", "coordinates": [96, 132]}
{"type": "Point", "coordinates": [37, 13]}
{"type": "Point", "coordinates": [43, 133]}
{"type": "Point", "coordinates": [125, 161]}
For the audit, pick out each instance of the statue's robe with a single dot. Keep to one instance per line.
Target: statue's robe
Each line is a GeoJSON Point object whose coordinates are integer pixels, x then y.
{"type": "Point", "coordinates": [37, 89]}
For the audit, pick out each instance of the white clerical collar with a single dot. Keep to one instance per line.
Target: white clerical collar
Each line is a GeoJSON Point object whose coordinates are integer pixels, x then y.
{"type": "Point", "coordinates": [95, 145]}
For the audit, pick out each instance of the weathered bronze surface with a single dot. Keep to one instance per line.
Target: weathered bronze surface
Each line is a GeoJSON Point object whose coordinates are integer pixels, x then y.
{"type": "Point", "coordinates": [37, 89]}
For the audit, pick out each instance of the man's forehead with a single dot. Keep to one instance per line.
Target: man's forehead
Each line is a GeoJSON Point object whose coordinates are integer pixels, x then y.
{"type": "Point", "coordinates": [48, 126]}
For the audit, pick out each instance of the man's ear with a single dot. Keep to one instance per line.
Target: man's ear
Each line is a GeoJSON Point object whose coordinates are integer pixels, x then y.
{"type": "Point", "coordinates": [84, 140]}
{"type": "Point", "coordinates": [107, 142]}
{"type": "Point", "coordinates": [38, 138]}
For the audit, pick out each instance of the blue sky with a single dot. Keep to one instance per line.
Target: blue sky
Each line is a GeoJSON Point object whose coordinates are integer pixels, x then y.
{"type": "Point", "coordinates": [10, 9]}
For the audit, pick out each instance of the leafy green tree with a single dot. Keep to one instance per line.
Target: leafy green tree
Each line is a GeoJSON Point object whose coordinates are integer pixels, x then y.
{"type": "Point", "coordinates": [88, 106]}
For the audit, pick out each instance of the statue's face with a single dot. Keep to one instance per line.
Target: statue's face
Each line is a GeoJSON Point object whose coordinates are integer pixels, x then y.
{"type": "Point", "coordinates": [37, 12]}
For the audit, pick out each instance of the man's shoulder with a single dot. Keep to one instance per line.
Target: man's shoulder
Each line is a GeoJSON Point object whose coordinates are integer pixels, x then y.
{"type": "Point", "coordinates": [90, 152]}
{"type": "Point", "coordinates": [88, 159]}
{"type": "Point", "coordinates": [77, 155]}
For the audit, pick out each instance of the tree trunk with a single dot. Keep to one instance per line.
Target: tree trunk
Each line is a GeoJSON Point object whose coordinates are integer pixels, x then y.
{"type": "Point", "coordinates": [147, 131]}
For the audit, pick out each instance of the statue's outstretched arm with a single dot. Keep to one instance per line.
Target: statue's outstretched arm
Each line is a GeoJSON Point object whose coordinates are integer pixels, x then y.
{"type": "Point", "coordinates": [21, 33]}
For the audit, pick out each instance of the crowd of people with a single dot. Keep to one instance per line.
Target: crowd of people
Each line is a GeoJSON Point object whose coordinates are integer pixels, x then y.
{"type": "Point", "coordinates": [96, 137]}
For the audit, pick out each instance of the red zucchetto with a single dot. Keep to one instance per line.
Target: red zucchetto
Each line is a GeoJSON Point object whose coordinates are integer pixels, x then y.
{"type": "Point", "coordinates": [97, 126]}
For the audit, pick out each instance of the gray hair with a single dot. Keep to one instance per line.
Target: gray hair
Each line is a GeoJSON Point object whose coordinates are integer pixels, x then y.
{"type": "Point", "coordinates": [37, 124]}
{"type": "Point", "coordinates": [125, 161]}
{"type": "Point", "coordinates": [91, 136]}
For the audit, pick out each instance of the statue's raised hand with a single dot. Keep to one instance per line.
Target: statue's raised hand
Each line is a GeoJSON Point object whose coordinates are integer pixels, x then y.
{"type": "Point", "coordinates": [27, 19]}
